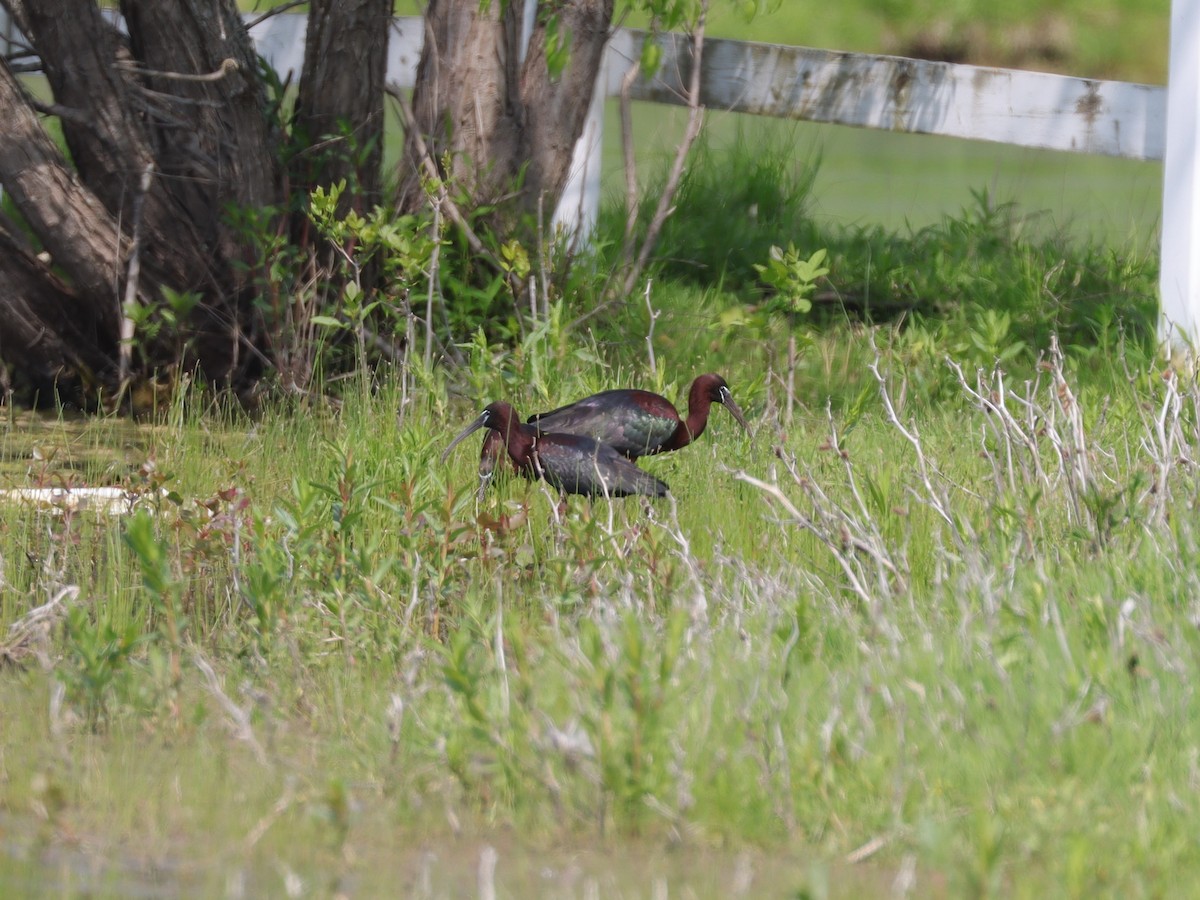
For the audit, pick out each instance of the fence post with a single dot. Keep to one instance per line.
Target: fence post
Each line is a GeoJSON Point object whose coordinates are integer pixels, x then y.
{"type": "Point", "coordinates": [1179, 261]}
{"type": "Point", "coordinates": [579, 205]}
{"type": "Point", "coordinates": [580, 201]}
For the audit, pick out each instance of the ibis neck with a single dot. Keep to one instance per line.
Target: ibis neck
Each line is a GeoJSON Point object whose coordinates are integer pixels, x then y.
{"type": "Point", "coordinates": [697, 419]}
{"type": "Point", "coordinates": [517, 440]}
{"type": "Point", "coordinates": [692, 427]}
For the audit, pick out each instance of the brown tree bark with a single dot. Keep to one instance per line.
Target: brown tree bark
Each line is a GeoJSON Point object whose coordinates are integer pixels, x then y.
{"type": "Point", "coordinates": [82, 238]}
{"type": "Point", "coordinates": [39, 323]}
{"type": "Point", "coordinates": [206, 105]}
{"type": "Point", "coordinates": [167, 127]}
{"type": "Point", "coordinates": [508, 128]}
{"type": "Point", "coordinates": [556, 106]}
{"type": "Point", "coordinates": [339, 106]}
{"type": "Point", "coordinates": [100, 105]}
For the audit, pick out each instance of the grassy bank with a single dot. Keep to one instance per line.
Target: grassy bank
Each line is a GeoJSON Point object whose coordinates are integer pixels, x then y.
{"type": "Point", "coordinates": [932, 631]}
{"type": "Point", "coordinates": [949, 644]}
{"type": "Point", "coordinates": [1119, 39]}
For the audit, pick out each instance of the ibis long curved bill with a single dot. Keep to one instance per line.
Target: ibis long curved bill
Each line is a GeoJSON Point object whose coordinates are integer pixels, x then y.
{"type": "Point", "coordinates": [480, 422]}
{"type": "Point", "coordinates": [726, 400]}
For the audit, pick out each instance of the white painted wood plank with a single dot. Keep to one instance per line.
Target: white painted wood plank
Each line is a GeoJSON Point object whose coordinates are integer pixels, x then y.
{"type": "Point", "coordinates": [404, 50]}
{"type": "Point", "coordinates": [1027, 109]}
{"type": "Point", "coordinates": [280, 41]}
{"type": "Point", "coordinates": [1179, 262]}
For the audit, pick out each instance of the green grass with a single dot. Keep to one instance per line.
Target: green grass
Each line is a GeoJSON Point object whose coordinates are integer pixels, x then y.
{"type": "Point", "coordinates": [1121, 39]}
{"type": "Point", "coordinates": [1006, 704]}
{"type": "Point", "coordinates": [866, 178]}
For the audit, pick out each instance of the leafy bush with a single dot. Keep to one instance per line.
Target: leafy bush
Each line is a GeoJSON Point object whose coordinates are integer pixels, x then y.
{"type": "Point", "coordinates": [733, 204]}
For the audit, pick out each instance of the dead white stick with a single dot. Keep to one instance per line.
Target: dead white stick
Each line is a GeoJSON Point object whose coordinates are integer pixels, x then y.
{"type": "Point", "coordinates": [239, 718]}
{"type": "Point", "coordinates": [125, 346]}
{"type": "Point", "coordinates": [650, 334]}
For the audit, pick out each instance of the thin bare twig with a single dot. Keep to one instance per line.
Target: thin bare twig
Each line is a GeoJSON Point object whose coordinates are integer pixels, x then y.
{"type": "Point", "coordinates": [66, 113]}
{"type": "Point", "coordinates": [798, 518]}
{"type": "Point", "coordinates": [631, 268]}
{"type": "Point", "coordinates": [631, 187]}
{"type": "Point", "coordinates": [695, 120]}
{"type": "Point", "coordinates": [228, 66]}
{"type": "Point", "coordinates": [410, 128]}
{"type": "Point", "coordinates": [239, 718]}
{"type": "Point", "coordinates": [281, 806]}
{"type": "Point", "coordinates": [650, 333]}
{"type": "Point", "coordinates": [125, 347]}
{"type": "Point", "coordinates": [434, 260]}
{"type": "Point", "coordinates": [30, 634]}
{"type": "Point", "coordinates": [791, 378]}
{"type": "Point", "coordinates": [281, 8]}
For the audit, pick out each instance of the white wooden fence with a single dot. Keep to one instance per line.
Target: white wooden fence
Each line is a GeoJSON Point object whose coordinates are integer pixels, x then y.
{"type": "Point", "coordinates": [1028, 109]}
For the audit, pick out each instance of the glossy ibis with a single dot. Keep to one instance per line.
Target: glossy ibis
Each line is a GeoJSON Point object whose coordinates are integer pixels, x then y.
{"type": "Point", "coordinates": [638, 423]}
{"type": "Point", "coordinates": [575, 464]}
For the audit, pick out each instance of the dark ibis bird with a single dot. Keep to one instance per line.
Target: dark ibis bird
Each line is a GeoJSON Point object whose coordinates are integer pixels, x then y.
{"type": "Point", "coordinates": [633, 422]}
{"type": "Point", "coordinates": [573, 463]}
{"type": "Point", "coordinates": [638, 423]}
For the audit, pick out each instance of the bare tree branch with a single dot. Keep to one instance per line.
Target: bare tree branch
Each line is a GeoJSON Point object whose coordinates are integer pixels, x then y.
{"type": "Point", "coordinates": [228, 66]}
{"type": "Point", "coordinates": [431, 172]}
{"type": "Point", "coordinates": [695, 119]}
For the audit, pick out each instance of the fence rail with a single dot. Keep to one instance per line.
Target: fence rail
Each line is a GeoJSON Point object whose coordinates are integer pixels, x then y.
{"type": "Point", "coordinates": [1010, 106]}
{"type": "Point", "coordinates": [1029, 109]}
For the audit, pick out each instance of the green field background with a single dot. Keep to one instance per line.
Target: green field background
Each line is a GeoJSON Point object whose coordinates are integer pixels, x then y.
{"type": "Point", "coordinates": [908, 181]}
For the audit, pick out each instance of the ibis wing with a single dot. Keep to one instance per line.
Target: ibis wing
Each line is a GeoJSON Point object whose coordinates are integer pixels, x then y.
{"type": "Point", "coordinates": [580, 465]}
{"type": "Point", "coordinates": [634, 423]}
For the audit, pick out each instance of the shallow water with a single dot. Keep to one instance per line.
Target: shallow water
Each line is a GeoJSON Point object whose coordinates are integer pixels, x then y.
{"type": "Point", "coordinates": [54, 449]}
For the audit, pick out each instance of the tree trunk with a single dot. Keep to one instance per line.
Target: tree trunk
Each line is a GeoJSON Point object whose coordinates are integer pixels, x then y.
{"type": "Point", "coordinates": [206, 106]}
{"type": "Point", "coordinates": [167, 129]}
{"type": "Point", "coordinates": [556, 106]}
{"type": "Point", "coordinates": [172, 182]}
{"type": "Point", "coordinates": [89, 69]}
{"type": "Point", "coordinates": [75, 228]}
{"type": "Point", "coordinates": [339, 107]}
{"type": "Point", "coordinates": [508, 128]}
{"type": "Point", "coordinates": [39, 324]}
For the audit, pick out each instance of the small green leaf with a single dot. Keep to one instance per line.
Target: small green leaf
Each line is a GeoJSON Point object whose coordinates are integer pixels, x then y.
{"type": "Point", "coordinates": [327, 322]}
{"type": "Point", "coordinates": [651, 58]}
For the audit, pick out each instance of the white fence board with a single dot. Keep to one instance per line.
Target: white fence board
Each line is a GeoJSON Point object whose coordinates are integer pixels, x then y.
{"type": "Point", "coordinates": [1028, 109]}
{"type": "Point", "coordinates": [1010, 106]}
